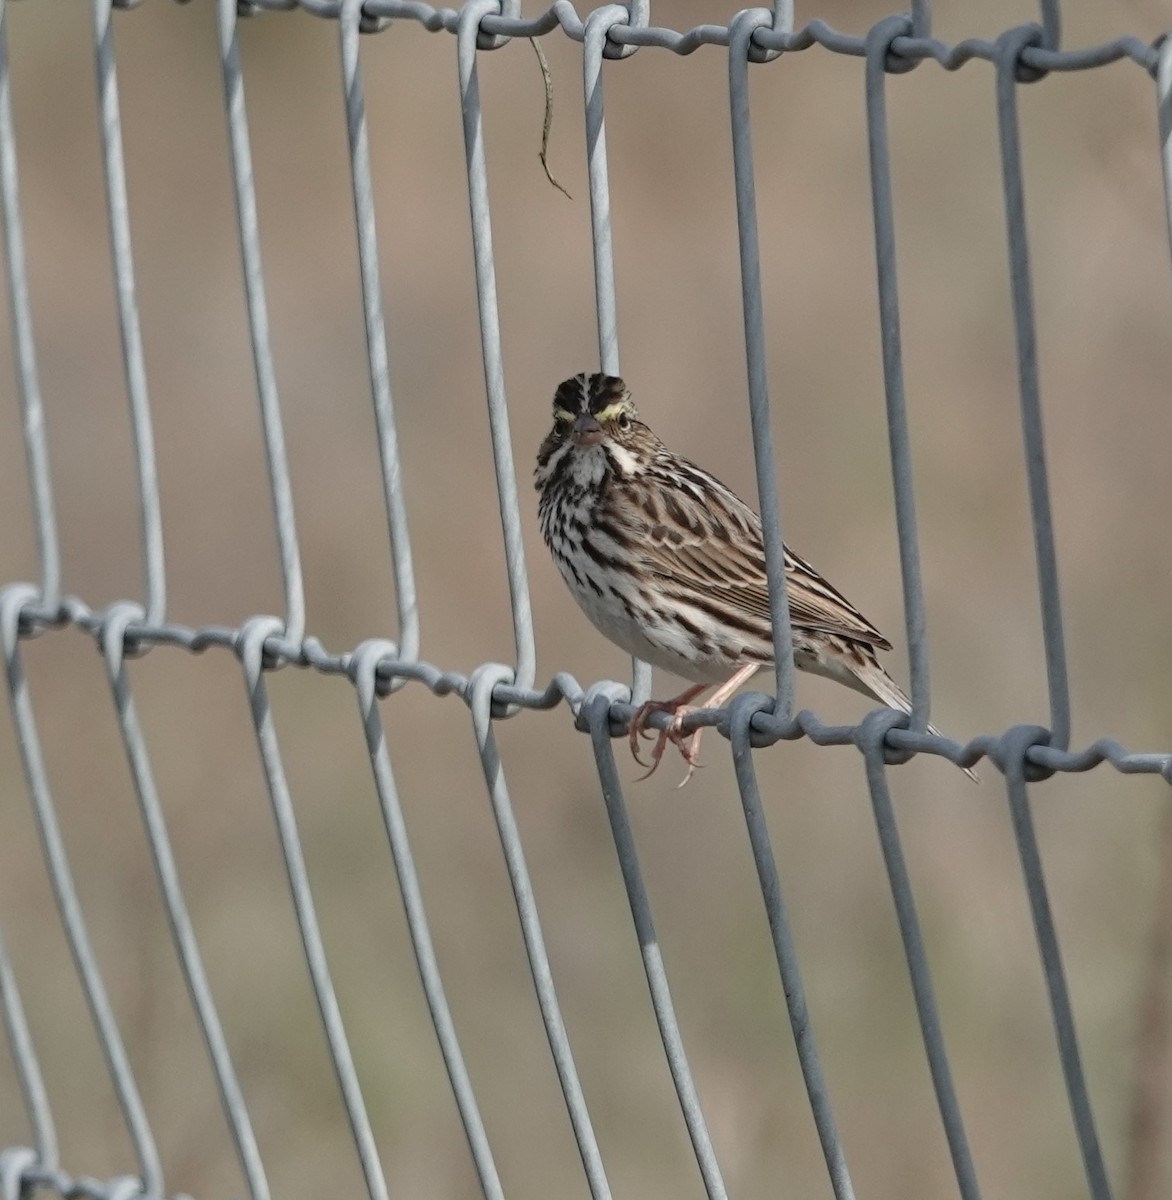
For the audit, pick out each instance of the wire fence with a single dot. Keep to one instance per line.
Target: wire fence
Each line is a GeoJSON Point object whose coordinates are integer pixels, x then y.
{"type": "Point", "coordinates": [1024, 755]}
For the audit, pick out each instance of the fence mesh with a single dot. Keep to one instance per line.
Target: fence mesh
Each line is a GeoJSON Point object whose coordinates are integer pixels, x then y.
{"type": "Point", "coordinates": [1022, 756]}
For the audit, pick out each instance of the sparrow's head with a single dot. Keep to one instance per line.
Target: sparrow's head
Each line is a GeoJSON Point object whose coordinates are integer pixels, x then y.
{"type": "Point", "coordinates": [590, 409]}
{"type": "Point", "coordinates": [595, 421]}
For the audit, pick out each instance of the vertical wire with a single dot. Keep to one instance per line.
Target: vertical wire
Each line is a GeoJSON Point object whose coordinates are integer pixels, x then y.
{"type": "Point", "coordinates": [924, 993]}
{"type": "Point", "coordinates": [258, 322]}
{"type": "Point", "coordinates": [1164, 123]}
{"type": "Point", "coordinates": [1017, 742]}
{"type": "Point", "coordinates": [598, 24]}
{"type": "Point", "coordinates": [12, 599]}
{"type": "Point", "coordinates": [785, 951]}
{"type": "Point", "coordinates": [899, 438]}
{"type": "Point", "coordinates": [490, 338]}
{"type": "Point", "coordinates": [482, 683]}
{"type": "Point", "coordinates": [740, 35]}
{"type": "Point", "coordinates": [649, 950]}
{"type": "Point", "coordinates": [1051, 14]}
{"type": "Point", "coordinates": [606, 304]}
{"type": "Point", "coordinates": [36, 448]}
{"type": "Point", "coordinates": [376, 335]}
{"type": "Point", "coordinates": [28, 1067]}
{"type": "Point", "coordinates": [364, 665]}
{"type": "Point", "coordinates": [114, 172]}
{"type": "Point", "coordinates": [113, 642]}
{"type": "Point", "coordinates": [1009, 48]}
{"type": "Point", "coordinates": [251, 650]}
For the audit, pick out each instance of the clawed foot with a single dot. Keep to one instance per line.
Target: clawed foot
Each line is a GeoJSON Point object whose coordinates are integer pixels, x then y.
{"type": "Point", "coordinates": [687, 744]}
{"type": "Point", "coordinates": [679, 707]}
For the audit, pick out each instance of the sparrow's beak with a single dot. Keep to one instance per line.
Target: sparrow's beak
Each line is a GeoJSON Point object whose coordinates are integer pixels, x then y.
{"type": "Point", "coordinates": [586, 431]}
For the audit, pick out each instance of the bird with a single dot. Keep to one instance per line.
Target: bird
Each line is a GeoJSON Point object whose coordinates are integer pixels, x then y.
{"type": "Point", "coordinates": [669, 564]}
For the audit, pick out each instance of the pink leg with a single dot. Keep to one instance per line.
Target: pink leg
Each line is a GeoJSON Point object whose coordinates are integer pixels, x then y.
{"type": "Point", "coordinates": [680, 707]}
{"type": "Point", "coordinates": [639, 721]}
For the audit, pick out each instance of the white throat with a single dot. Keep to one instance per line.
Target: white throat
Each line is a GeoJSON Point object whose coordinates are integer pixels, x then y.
{"type": "Point", "coordinates": [588, 465]}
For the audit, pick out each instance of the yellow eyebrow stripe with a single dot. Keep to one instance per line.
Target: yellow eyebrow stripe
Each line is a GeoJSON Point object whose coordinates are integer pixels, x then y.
{"type": "Point", "coordinates": [563, 415]}
{"type": "Point", "coordinates": [611, 411]}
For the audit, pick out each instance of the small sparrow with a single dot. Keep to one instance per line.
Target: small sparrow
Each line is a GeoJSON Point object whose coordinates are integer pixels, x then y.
{"type": "Point", "coordinates": [669, 564]}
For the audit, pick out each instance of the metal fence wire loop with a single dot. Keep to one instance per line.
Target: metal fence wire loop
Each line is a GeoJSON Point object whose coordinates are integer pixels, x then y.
{"type": "Point", "coordinates": [1013, 43]}
{"type": "Point", "coordinates": [252, 650]}
{"type": "Point", "coordinates": [482, 685]}
{"type": "Point", "coordinates": [880, 39]}
{"type": "Point", "coordinates": [872, 736]}
{"type": "Point", "coordinates": [363, 666]}
{"type": "Point", "coordinates": [15, 1165]}
{"type": "Point", "coordinates": [367, 22]}
{"type": "Point", "coordinates": [14, 599]}
{"type": "Point", "coordinates": [635, 15]}
{"type": "Point", "coordinates": [616, 695]}
{"type": "Point", "coordinates": [510, 10]}
{"type": "Point", "coordinates": [115, 639]}
{"type": "Point", "coordinates": [1011, 752]}
{"type": "Point", "coordinates": [751, 722]}
{"type": "Point", "coordinates": [741, 30]}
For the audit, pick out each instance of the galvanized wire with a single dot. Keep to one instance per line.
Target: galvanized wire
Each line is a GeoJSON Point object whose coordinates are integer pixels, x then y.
{"type": "Point", "coordinates": [898, 434]}
{"type": "Point", "coordinates": [364, 667]}
{"type": "Point", "coordinates": [1164, 125]}
{"type": "Point", "coordinates": [594, 46]}
{"type": "Point", "coordinates": [784, 947]}
{"type": "Point", "coordinates": [484, 683]}
{"type": "Point", "coordinates": [118, 211]}
{"type": "Point", "coordinates": [248, 227]}
{"type": "Point", "coordinates": [252, 659]}
{"type": "Point", "coordinates": [745, 27]}
{"type": "Point", "coordinates": [349, 25]}
{"type": "Point", "coordinates": [24, 347]}
{"type": "Point", "coordinates": [12, 601]}
{"type": "Point", "coordinates": [1024, 754]}
{"type": "Point", "coordinates": [1057, 989]}
{"type": "Point", "coordinates": [1009, 56]}
{"type": "Point", "coordinates": [598, 714]}
{"type": "Point", "coordinates": [114, 644]}
{"type": "Point", "coordinates": [28, 1070]}
{"type": "Point", "coordinates": [490, 339]}
{"type": "Point", "coordinates": [871, 737]}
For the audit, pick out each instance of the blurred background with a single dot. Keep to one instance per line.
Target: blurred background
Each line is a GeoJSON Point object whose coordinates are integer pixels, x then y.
{"type": "Point", "coordinates": [1104, 308]}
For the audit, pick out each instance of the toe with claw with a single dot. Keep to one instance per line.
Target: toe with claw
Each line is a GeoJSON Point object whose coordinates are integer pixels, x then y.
{"type": "Point", "coordinates": [687, 744]}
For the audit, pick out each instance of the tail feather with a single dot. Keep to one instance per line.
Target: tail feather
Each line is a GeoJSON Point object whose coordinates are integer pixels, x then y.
{"type": "Point", "coordinates": [865, 674]}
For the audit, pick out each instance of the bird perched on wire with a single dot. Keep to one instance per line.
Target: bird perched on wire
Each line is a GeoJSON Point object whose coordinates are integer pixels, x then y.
{"type": "Point", "coordinates": [669, 564]}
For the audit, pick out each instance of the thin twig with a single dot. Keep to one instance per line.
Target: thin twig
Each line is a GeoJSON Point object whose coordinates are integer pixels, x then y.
{"type": "Point", "coordinates": [548, 81]}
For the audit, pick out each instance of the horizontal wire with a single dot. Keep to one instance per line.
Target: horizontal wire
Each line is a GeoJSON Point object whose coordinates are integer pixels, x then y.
{"type": "Point", "coordinates": [765, 728]}
{"type": "Point", "coordinates": [21, 1175]}
{"type": "Point", "coordinates": [904, 51]}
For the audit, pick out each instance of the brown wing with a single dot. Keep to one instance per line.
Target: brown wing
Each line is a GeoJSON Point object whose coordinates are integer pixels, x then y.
{"type": "Point", "coordinates": [701, 538]}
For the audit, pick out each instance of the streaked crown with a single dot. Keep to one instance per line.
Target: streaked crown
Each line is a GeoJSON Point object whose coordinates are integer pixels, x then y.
{"type": "Point", "coordinates": [602, 396]}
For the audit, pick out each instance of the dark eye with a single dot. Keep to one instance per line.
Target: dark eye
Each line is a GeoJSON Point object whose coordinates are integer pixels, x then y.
{"type": "Point", "coordinates": [624, 422]}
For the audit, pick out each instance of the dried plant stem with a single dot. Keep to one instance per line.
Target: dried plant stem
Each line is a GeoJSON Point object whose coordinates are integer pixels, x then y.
{"type": "Point", "coordinates": [547, 79]}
